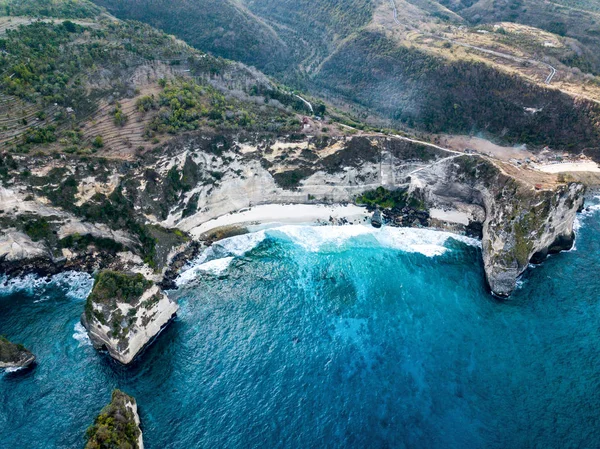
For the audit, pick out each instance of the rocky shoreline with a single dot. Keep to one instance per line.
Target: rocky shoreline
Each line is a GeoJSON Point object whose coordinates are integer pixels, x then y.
{"type": "Point", "coordinates": [148, 227]}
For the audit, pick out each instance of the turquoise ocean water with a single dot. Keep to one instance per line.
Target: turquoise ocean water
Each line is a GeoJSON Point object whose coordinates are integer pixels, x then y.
{"type": "Point", "coordinates": [328, 338]}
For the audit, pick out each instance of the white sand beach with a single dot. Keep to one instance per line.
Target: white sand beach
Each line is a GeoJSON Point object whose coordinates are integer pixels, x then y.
{"type": "Point", "coordinates": [588, 166]}
{"type": "Point", "coordinates": [278, 214]}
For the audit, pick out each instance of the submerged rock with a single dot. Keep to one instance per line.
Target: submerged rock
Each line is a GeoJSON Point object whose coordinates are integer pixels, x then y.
{"type": "Point", "coordinates": [124, 312]}
{"type": "Point", "coordinates": [117, 425]}
{"type": "Point", "coordinates": [14, 355]}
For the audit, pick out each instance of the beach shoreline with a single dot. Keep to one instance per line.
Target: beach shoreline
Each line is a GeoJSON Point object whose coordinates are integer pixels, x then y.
{"type": "Point", "coordinates": [272, 215]}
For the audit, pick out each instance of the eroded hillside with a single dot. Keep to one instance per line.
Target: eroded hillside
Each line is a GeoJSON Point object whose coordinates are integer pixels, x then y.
{"type": "Point", "coordinates": [430, 66]}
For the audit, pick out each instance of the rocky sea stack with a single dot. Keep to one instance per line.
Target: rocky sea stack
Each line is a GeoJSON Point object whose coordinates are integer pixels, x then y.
{"type": "Point", "coordinates": [124, 312]}
{"type": "Point", "coordinates": [117, 425]}
{"type": "Point", "coordinates": [14, 355]}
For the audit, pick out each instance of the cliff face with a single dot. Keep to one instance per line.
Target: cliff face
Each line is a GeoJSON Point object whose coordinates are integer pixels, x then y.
{"type": "Point", "coordinates": [525, 230]}
{"type": "Point", "coordinates": [117, 425]}
{"type": "Point", "coordinates": [523, 220]}
{"type": "Point", "coordinates": [124, 312]}
{"type": "Point", "coordinates": [143, 220]}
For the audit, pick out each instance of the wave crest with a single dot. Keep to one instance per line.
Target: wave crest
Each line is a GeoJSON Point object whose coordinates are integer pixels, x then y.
{"type": "Point", "coordinates": [75, 284]}
{"type": "Point", "coordinates": [411, 240]}
{"type": "Point", "coordinates": [217, 258]}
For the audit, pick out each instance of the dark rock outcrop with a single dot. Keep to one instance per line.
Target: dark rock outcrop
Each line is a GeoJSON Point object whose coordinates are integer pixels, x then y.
{"type": "Point", "coordinates": [376, 220]}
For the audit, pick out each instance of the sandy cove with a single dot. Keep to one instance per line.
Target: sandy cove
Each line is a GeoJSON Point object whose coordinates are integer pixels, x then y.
{"type": "Point", "coordinates": [279, 214]}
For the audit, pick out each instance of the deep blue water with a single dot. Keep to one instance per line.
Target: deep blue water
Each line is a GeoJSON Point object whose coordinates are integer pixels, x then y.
{"type": "Point", "coordinates": [345, 345]}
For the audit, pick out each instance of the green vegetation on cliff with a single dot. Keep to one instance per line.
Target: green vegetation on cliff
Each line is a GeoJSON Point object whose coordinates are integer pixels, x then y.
{"type": "Point", "coordinates": [389, 199]}
{"type": "Point", "coordinates": [111, 286]}
{"type": "Point", "coordinates": [115, 426]}
{"type": "Point", "coordinates": [12, 353]}
{"type": "Point", "coordinates": [111, 290]}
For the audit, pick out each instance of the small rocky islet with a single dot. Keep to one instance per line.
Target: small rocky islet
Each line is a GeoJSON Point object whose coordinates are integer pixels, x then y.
{"type": "Point", "coordinates": [14, 356]}
{"type": "Point", "coordinates": [117, 425]}
{"type": "Point", "coordinates": [124, 312]}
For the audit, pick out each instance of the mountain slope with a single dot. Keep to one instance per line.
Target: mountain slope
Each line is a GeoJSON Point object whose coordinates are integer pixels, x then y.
{"type": "Point", "coordinates": [67, 9]}
{"type": "Point", "coordinates": [419, 69]}
{"type": "Point", "coordinates": [433, 94]}
{"type": "Point", "coordinates": [224, 28]}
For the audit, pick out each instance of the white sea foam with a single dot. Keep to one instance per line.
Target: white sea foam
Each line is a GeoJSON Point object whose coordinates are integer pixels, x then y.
{"type": "Point", "coordinates": [238, 245]}
{"type": "Point", "coordinates": [588, 211]}
{"type": "Point", "coordinates": [81, 335]}
{"type": "Point", "coordinates": [214, 267]}
{"type": "Point", "coordinates": [217, 258]}
{"type": "Point", "coordinates": [425, 241]}
{"type": "Point", "coordinates": [13, 369]}
{"type": "Point", "coordinates": [77, 285]}
{"type": "Point", "coordinates": [315, 238]}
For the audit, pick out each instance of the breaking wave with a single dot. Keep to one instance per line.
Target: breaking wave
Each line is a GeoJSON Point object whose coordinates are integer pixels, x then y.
{"type": "Point", "coordinates": [76, 285]}
{"type": "Point", "coordinates": [428, 242]}
{"type": "Point", "coordinates": [588, 211]}
{"type": "Point", "coordinates": [81, 335]}
{"type": "Point", "coordinates": [217, 258]}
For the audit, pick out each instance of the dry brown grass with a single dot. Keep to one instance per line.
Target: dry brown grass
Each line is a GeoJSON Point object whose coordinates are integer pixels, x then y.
{"type": "Point", "coordinates": [121, 142]}
{"type": "Point", "coordinates": [423, 32]}
{"type": "Point", "coordinates": [13, 111]}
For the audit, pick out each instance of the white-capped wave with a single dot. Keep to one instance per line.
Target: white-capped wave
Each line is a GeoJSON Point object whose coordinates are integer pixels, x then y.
{"type": "Point", "coordinates": [315, 238]}
{"type": "Point", "coordinates": [77, 285]}
{"type": "Point", "coordinates": [238, 245]}
{"type": "Point", "coordinates": [414, 240]}
{"type": "Point", "coordinates": [588, 211]}
{"type": "Point", "coordinates": [81, 335]}
{"type": "Point", "coordinates": [217, 257]}
{"type": "Point", "coordinates": [214, 267]}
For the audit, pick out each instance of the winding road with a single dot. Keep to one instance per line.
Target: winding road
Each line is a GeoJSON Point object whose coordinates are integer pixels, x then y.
{"type": "Point", "coordinates": [306, 102]}
{"type": "Point", "coordinates": [548, 80]}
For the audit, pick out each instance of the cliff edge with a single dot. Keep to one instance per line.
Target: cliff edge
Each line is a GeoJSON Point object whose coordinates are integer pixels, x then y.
{"type": "Point", "coordinates": [525, 215]}
{"type": "Point", "coordinates": [124, 312]}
